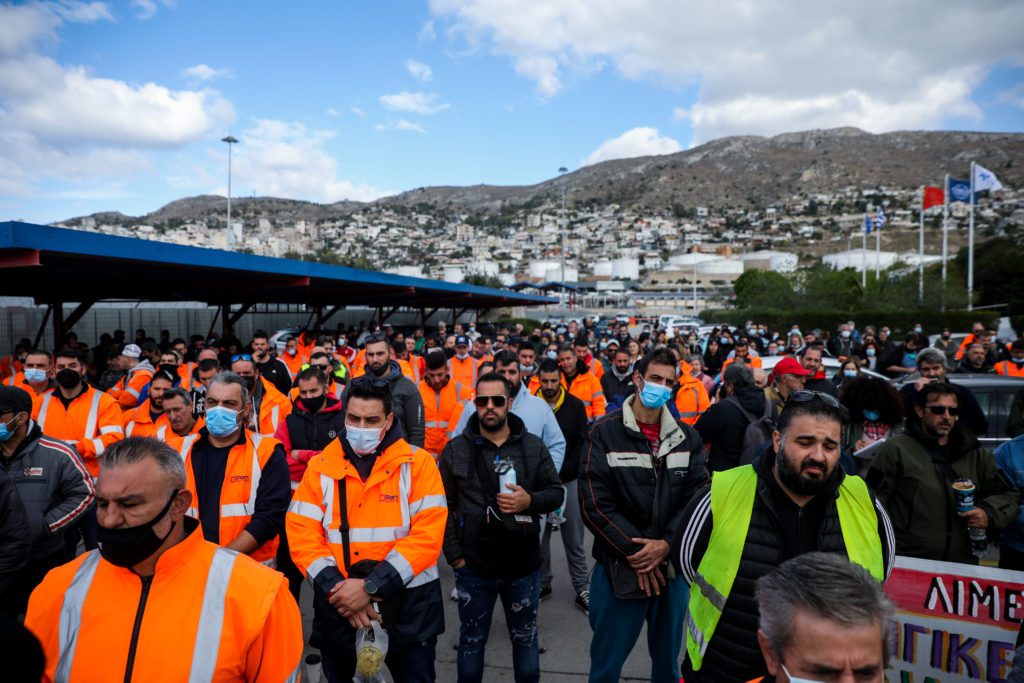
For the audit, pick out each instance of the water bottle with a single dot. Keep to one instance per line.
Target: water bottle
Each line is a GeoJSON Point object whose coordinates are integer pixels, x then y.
{"type": "Point", "coordinates": [964, 489]}
{"type": "Point", "coordinates": [506, 474]}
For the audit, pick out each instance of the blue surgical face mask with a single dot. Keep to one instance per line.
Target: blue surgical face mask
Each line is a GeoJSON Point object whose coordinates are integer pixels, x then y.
{"type": "Point", "coordinates": [553, 355]}
{"type": "Point", "coordinates": [221, 421]}
{"type": "Point", "coordinates": [6, 435]}
{"type": "Point", "coordinates": [35, 375]}
{"type": "Point", "coordinates": [654, 396]}
{"type": "Point", "coordinates": [849, 373]}
{"type": "Point", "coordinates": [872, 415]}
{"type": "Point", "coordinates": [363, 441]}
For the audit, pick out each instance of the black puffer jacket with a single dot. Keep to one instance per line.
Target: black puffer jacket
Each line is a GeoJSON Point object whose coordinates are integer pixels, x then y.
{"type": "Point", "coordinates": [470, 535]}
{"type": "Point", "coordinates": [722, 427]}
{"type": "Point", "coordinates": [626, 491]}
{"type": "Point", "coordinates": [779, 530]}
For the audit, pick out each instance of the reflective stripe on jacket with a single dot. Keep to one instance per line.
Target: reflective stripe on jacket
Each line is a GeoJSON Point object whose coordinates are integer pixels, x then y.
{"type": "Point", "coordinates": [441, 412]}
{"type": "Point", "coordinates": [208, 614]}
{"type": "Point", "coordinates": [127, 391]}
{"type": "Point", "coordinates": [92, 421]}
{"type": "Point", "coordinates": [241, 485]}
{"type": "Point", "coordinates": [465, 372]}
{"type": "Point", "coordinates": [1010, 369]}
{"type": "Point", "coordinates": [274, 407]}
{"type": "Point", "coordinates": [691, 396]}
{"type": "Point", "coordinates": [732, 505]}
{"type": "Point", "coordinates": [139, 422]}
{"type": "Point", "coordinates": [586, 387]}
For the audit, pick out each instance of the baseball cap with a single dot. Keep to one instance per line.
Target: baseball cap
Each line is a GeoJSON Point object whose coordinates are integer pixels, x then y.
{"type": "Point", "coordinates": [789, 366]}
{"type": "Point", "coordinates": [462, 340]}
{"type": "Point", "coordinates": [131, 350]}
{"type": "Point", "coordinates": [15, 399]}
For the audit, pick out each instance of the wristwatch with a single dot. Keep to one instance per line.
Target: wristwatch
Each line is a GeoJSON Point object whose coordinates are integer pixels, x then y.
{"type": "Point", "coordinates": [371, 587]}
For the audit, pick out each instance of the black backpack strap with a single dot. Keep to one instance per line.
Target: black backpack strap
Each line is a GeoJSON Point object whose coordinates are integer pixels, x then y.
{"type": "Point", "coordinates": [343, 527]}
{"type": "Point", "coordinates": [746, 413]}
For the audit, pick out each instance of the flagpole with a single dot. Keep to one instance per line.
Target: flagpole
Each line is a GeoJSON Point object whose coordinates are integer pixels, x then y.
{"type": "Point", "coordinates": [920, 256]}
{"type": "Point", "coordinates": [864, 255]}
{"type": "Point", "coordinates": [945, 237]}
{"type": "Point", "coordinates": [970, 249]}
{"type": "Point", "coordinates": [878, 250]}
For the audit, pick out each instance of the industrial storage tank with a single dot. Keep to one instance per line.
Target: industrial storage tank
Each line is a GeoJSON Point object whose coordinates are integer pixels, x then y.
{"type": "Point", "coordinates": [603, 268]}
{"type": "Point", "coordinates": [626, 269]}
{"type": "Point", "coordinates": [454, 273]}
{"type": "Point", "coordinates": [539, 268]}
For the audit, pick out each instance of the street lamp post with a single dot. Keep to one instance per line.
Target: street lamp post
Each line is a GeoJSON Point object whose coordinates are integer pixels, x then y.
{"type": "Point", "coordinates": [565, 224]}
{"type": "Point", "coordinates": [231, 234]}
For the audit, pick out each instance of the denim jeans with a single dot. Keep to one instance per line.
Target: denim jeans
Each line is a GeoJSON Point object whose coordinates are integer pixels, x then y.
{"type": "Point", "coordinates": [520, 598]}
{"type": "Point", "coordinates": [407, 662]}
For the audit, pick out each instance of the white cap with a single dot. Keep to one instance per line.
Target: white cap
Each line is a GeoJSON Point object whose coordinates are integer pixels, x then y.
{"type": "Point", "coordinates": [132, 351]}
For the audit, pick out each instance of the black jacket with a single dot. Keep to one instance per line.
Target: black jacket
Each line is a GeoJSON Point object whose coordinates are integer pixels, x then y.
{"type": "Point", "coordinates": [779, 530]}
{"type": "Point", "coordinates": [616, 390]}
{"type": "Point", "coordinates": [276, 372]}
{"type": "Point", "coordinates": [472, 534]}
{"type": "Point", "coordinates": [305, 431]}
{"type": "Point", "coordinates": [572, 420]}
{"type": "Point", "coordinates": [823, 385]}
{"type": "Point", "coordinates": [1015, 420]}
{"type": "Point", "coordinates": [15, 537]}
{"type": "Point", "coordinates": [722, 427]}
{"type": "Point", "coordinates": [627, 491]}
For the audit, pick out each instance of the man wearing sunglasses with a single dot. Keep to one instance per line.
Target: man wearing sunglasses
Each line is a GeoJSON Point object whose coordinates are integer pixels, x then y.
{"type": "Point", "coordinates": [792, 500]}
{"type": "Point", "coordinates": [913, 475]}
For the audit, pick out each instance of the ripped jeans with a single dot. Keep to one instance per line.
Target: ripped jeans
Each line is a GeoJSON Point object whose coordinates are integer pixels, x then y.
{"type": "Point", "coordinates": [520, 598]}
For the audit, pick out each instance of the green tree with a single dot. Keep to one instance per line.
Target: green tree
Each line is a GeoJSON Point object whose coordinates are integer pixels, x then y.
{"type": "Point", "coordinates": [764, 289]}
{"type": "Point", "coordinates": [483, 280]}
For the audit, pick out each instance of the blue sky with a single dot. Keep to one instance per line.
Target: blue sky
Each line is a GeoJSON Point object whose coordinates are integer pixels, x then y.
{"type": "Point", "coordinates": [121, 105]}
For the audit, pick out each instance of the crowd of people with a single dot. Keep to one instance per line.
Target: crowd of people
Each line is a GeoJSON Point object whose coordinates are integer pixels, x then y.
{"type": "Point", "coordinates": [163, 501]}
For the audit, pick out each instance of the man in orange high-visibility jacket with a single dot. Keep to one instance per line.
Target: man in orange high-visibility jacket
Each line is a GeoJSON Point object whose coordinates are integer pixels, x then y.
{"type": "Point", "coordinates": [1015, 366]}
{"type": "Point", "coordinates": [691, 396]}
{"type": "Point", "coordinates": [77, 413]}
{"type": "Point", "coordinates": [139, 371]}
{"type": "Point", "coordinates": [464, 367]}
{"type": "Point", "coordinates": [394, 515]}
{"type": "Point", "coordinates": [268, 406]}
{"type": "Point", "coordinates": [183, 426]}
{"type": "Point", "coordinates": [443, 402]}
{"type": "Point", "coordinates": [305, 344]}
{"type": "Point", "coordinates": [159, 603]}
{"type": "Point", "coordinates": [239, 478]}
{"type": "Point", "coordinates": [581, 383]}
{"type": "Point", "coordinates": [291, 358]}
{"type": "Point", "coordinates": [581, 346]}
{"type": "Point", "coordinates": [742, 350]}
{"type": "Point", "coordinates": [37, 373]}
{"type": "Point", "coordinates": [149, 417]}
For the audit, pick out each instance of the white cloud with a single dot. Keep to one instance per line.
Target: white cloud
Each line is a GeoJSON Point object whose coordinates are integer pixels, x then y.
{"type": "Point", "coordinates": [638, 142]}
{"type": "Point", "coordinates": [402, 124]}
{"type": "Point", "coordinates": [427, 33]}
{"type": "Point", "coordinates": [63, 122]}
{"type": "Point", "coordinates": [202, 72]}
{"type": "Point", "coordinates": [419, 70]}
{"type": "Point", "coordinates": [357, 111]}
{"type": "Point", "coordinates": [286, 159]}
{"type": "Point", "coordinates": [331, 111]}
{"type": "Point", "coordinates": [73, 10]}
{"type": "Point", "coordinates": [146, 9]}
{"type": "Point", "coordinates": [415, 102]}
{"type": "Point", "coordinates": [759, 67]}
{"type": "Point", "coordinates": [1014, 95]}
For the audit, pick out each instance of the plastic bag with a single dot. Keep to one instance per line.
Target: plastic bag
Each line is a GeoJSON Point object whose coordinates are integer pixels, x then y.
{"type": "Point", "coordinates": [371, 649]}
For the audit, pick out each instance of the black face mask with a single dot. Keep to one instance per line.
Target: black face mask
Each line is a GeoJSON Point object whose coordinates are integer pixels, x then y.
{"type": "Point", "coordinates": [129, 546]}
{"type": "Point", "coordinates": [171, 370]}
{"type": "Point", "coordinates": [314, 404]}
{"type": "Point", "coordinates": [68, 378]}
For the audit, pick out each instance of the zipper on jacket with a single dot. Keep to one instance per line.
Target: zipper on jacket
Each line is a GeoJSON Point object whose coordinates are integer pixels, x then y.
{"type": "Point", "coordinates": [147, 581]}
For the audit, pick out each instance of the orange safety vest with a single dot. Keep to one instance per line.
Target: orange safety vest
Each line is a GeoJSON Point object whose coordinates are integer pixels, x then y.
{"type": "Point", "coordinates": [465, 372]}
{"type": "Point", "coordinates": [139, 422]}
{"type": "Point", "coordinates": [1010, 369]}
{"type": "Point", "coordinates": [241, 484]}
{"type": "Point", "coordinates": [16, 379]}
{"type": "Point", "coordinates": [397, 515]}
{"type": "Point", "coordinates": [752, 361]}
{"type": "Point", "coordinates": [441, 413]}
{"type": "Point", "coordinates": [964, 344]}
{"type": "Point", "coordinates": [274, 407]}
{"type": "Point", "coordinates": [586, 387]}
{"type": "Point", "coordinates": [182, 444]}
{"type": "Point", "coordinates": [92, 421]}
{"type": "Point", "coordinates": [185, 373]}
{"type": "Point", "coordinates": [305, 350]}
{"type": "Point", "coordinates": [209, 614]}
{"type": "Point", "coordinates": [127, 391]}
{"type": "Point", "coordinates": [293, 363]}
{"type": "Point", "coordinates": [691, 398]}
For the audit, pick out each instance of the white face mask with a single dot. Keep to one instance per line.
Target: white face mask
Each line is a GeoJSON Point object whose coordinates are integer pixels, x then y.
{"type": "Point", "coordinates": [794, 679]}
{"type": "Point", "coordinates": [363, 441]}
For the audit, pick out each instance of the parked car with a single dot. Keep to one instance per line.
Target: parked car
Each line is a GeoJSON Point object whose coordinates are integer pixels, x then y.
{"type": "Point", "coordinates": [276, 340]}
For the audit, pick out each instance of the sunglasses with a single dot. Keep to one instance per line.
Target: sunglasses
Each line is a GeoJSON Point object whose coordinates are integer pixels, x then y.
{"type": "Point", "coordinates": [240, 356]}
{"type": "Point", "coordinates": [321, 368]}
{"type": "Point", "coordinates": [940, 410]}
{"type": "Point", "coordinates": [805, 396]}
{"type": "Point", "coordinates": [499, 401]}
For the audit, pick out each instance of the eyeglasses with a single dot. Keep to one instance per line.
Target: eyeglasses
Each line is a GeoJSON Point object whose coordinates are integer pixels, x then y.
{"type": "Point", "coordinates": [240, 356]}
{"type": "Point", "coordinates": [499, 401]}
{"type": "Point", "coordinates": [940, 410]}
{"type": "Point", "coordinates": [806, 395]}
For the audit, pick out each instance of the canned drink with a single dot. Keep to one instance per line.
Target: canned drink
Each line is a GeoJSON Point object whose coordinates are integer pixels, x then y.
{"type": "Point", "coordinates": [964, 489]}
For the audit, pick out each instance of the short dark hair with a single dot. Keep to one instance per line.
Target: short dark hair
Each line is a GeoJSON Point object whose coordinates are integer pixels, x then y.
{"type": "Point", "coordinates": [817, 346]}
{"type": "Point", "coordinates": [581, 341]}
{"type": "Point", "coordinates": [208, 364]}
{"type": "Point", "coordinates": [436, 360]}
{"type": "Point", "coordinates": [506, 358]}
{"type": "Point", "coordinates": [260, 334]}
{"type": "Point", "coordinates": [320, 354]}
{"type": "Point", "coordinates": [935, 389]}
{"type": "Point", "coordinates": [656, 357]}
{"type": "Point", "coordinates": [370, 389]}
{"type": "Point", "coordinates": [310, 373]}
{"type": "Point", "coordinates": [817, 408]}
{"type": "Point", "coordinates": [39, 352]}
{"type": "Point", "coordinates": [68, 352]}
{"type": "Point", "coordinates": [178, 392]}
{"type": "Point", "coordinates": [495, 377]}
{"type": "Point", "coordinates": [1017, 345]}
{"type": "Point", "coordinates": [163, 374]}
{"type": "Point", "coordinates": [548, 365]}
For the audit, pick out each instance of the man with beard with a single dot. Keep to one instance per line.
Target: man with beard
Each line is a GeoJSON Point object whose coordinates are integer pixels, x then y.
{"type": "Point", "coordinates": [406, 402]}
{"type": "Point", "coordinates": [795, 499]}
{"type": "Point", "coordinates": [527, 362]}
{"type": "Point", "coordinates": [618, 383]}
{"type": "Point", "coordinates": [580, 382]}
{"type": "Point", "coordinates": [492, 536]}
{"type": "Point", "coordinates": [184, 424]}
{"type": "Point", "coordinates": [572, 420]}
{"type": "Point", "coordinates": [269, 407]}
{"type": "Point", "coordinates": [149, 418]}
{"type": "Point", "coordinates": [269, 366]}
{"type": "Point", "coordinates": [443, 402]}
{"type": "Point", "coordinates": [914, 471]}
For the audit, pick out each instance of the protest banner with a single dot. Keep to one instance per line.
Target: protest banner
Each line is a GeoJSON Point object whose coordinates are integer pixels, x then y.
{"type": "Point", "coordinates": [954, 622]}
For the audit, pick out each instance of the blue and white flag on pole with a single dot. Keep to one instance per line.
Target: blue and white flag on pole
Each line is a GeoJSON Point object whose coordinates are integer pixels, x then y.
{"type": "Point", "coordinates": [879, 219]}
{"type": "Point", "coordinates": [867, 224]}
{"type": "Point", "coordinates": [959, 190]}
{"type": "Point", "coordinates": [985, 179]}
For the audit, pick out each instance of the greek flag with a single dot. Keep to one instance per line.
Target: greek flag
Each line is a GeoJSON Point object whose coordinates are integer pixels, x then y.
{"type": "Point", "coordinates": [879, 219]}
{"type": "Point", "coordinates": [867, 224]}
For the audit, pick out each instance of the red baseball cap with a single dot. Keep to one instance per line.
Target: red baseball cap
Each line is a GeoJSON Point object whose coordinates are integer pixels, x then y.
{"type": "Point", "coordinates": [789, 366]}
